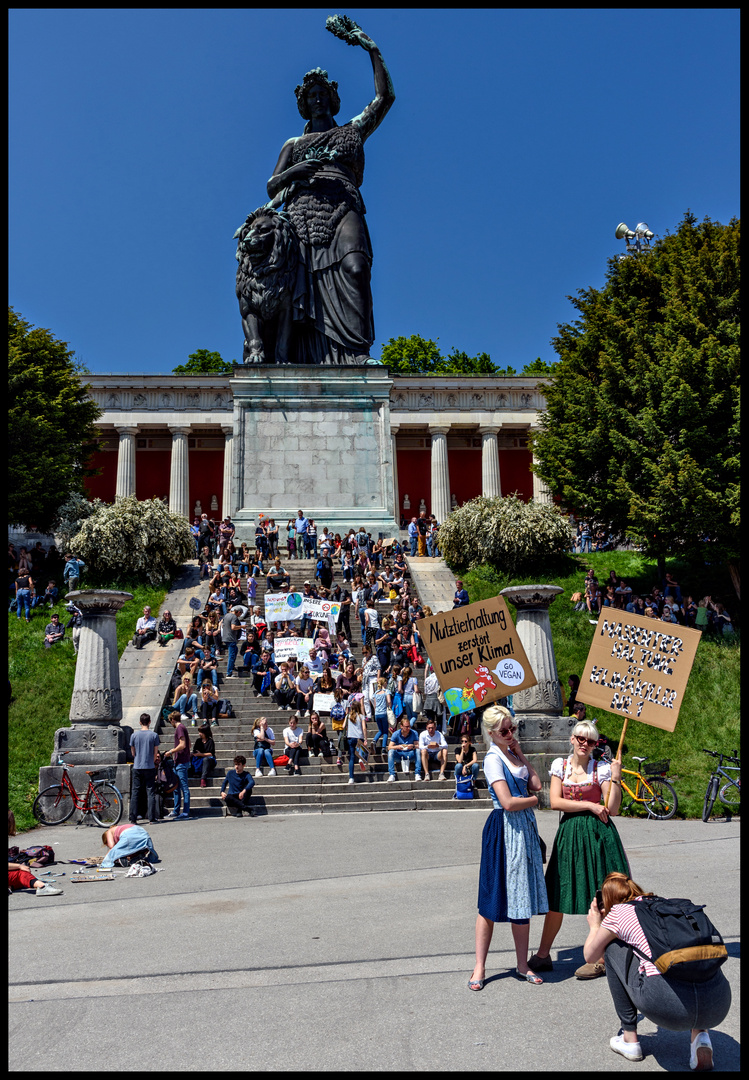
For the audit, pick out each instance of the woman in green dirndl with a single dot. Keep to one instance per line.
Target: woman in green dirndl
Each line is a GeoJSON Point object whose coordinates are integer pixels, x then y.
{"type": "Point", "coordinates": [587, 846]}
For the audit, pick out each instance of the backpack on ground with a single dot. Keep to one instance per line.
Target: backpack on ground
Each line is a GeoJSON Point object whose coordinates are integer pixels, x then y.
{"type": "Point", "coordinates": [464, 787]}
{"type": "Point", "coordinates": [684, 943]}
{"type": "Point", "coordinates": [33, 856]}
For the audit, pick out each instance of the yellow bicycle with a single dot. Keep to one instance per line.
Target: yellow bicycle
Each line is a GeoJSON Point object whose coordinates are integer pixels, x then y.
{"type": "Point", "coordinates": [651, 789]}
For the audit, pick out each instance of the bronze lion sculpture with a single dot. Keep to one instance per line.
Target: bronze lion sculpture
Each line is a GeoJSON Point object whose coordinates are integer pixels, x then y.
{"type": "Point", "coordinates": [268, 257]}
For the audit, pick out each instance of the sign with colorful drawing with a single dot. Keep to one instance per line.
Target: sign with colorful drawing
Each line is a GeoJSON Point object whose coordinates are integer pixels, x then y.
{"type": "Point", "coordinates": [476, 654]}
{"type": "Point", "coordinates": [638, 667]}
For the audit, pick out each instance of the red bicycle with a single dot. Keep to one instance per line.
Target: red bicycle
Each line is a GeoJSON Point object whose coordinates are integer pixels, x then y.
{"type": "Point", "coordinates": [56, 803]}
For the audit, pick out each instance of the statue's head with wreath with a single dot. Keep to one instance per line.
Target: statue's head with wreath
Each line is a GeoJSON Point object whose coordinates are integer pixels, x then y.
{"type": "Point", "coordinates": [317, 77]}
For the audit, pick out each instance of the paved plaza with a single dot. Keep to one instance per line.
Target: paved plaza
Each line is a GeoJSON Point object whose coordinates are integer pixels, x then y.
{"type": "Point", "coordinates": [336, 942]}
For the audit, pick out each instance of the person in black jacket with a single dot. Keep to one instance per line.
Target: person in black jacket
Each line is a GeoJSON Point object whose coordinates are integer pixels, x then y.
{"type": "Point", "coordinates": [237, 788]}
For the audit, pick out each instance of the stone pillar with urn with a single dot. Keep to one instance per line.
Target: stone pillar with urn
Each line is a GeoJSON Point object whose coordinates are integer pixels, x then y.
{"type": "Point", "coordinates": [95, 739]}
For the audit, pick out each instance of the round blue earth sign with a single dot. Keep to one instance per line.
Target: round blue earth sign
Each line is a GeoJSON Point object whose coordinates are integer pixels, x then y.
{"type": "Point", "coordinates": [294, 600]}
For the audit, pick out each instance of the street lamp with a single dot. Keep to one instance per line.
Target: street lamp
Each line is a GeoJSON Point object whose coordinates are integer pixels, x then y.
{"type": "Point", "coordinates": [637, 241]}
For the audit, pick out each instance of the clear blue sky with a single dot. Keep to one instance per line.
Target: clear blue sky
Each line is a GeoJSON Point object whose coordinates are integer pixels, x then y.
{"type": "Point", "coordinates": [141, 139]}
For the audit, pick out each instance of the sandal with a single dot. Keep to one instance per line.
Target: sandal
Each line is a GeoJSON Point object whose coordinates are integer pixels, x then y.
{"type": "Point", "coordinates": [529, 976]}
{"type": "Point", "coordinates": [476, 984]}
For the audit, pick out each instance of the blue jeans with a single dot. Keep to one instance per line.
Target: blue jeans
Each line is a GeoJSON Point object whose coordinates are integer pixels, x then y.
{"type": "Point", "coordinates": [474, 771]}
{"type": "Point", "coordinates": [187, 705]}
{"type": "Point", "coordinates": [214, 677]}
{"type": "Point", "coordinates": [403, 755]}
{"type": "Point", "coordinates": [262, 756]}
{"type": "Point", "coordinates": [23, 596]}
{"type": "Point", "coordinates": [414, 543]}
{"type": "Point", "coordinates": [183, 790]}
{"type": "Point", "coordinates": [382, 730]}
{"type": "Point", "coordinates": [408, 705]}
{"type": "Point", "coordinates": [232, 650]}
{"type": "Point", "coordinates": [352, 744]}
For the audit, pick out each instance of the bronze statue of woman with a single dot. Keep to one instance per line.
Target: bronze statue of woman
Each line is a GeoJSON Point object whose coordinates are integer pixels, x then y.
{"type": "Point", "coordinates": [317, 180]}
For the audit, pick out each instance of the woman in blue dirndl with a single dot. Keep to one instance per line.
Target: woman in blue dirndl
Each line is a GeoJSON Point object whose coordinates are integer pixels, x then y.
{"type": "Point", "coordinates": [511, 878]}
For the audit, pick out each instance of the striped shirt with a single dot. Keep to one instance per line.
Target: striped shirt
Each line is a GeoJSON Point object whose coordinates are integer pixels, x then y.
{"type": "Point", "coordinates": [622, 920]}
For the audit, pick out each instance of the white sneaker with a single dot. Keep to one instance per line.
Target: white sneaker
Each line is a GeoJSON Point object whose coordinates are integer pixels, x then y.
{"type": "Point", "coordinates": [418, 777]}
{"type": "Point", "coordinates": [258, 772]}
{"type": "Point", "coordinates": [273, 773]}
{"type": "Point", "coordinates": [701, 1053]}
{"type": "Point", "coordinates": [391, 780]}
{"type": "Point", "coordinates": [183, 717]}
{"type": "Point", "coordinates": [50, 890]}
{"type": "Point", "coordinates": [632, 1051]}
{"type": "Point", "coordinates": [351, 781]}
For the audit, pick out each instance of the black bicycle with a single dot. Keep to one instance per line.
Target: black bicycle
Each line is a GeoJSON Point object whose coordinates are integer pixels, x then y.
{"type": "Point", "coordinates": [730, 793]}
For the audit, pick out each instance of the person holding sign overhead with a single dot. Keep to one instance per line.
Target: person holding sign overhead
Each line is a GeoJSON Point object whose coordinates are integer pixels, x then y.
{"type": "Point", "coordinates": [511, 880]}
{"type": "Point", "coordinates": [587, 845]}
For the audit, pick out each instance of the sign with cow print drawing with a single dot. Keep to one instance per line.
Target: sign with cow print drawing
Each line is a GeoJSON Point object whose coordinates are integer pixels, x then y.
{"type": "Point", "coordinates": [476, 654]}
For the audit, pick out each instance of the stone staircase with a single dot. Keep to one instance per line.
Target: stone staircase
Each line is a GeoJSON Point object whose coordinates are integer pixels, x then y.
{"type": "Point", "coordinates": [323, 786]}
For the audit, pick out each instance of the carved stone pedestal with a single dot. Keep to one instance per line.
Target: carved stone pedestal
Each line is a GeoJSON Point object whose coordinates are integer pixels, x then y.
{"type": "Point", "coordinates": [95, 740]}
{"type": "Point", "coordinates": [542, 729]}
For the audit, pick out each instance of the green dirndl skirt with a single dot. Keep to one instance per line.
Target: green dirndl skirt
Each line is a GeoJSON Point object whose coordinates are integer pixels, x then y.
{"type": "Point", "coordinates": [585, 851]}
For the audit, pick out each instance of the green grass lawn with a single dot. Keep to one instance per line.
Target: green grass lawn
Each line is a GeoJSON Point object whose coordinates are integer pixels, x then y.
{"type": "Point", "coordinates": [41, 682]}
{"type": "Point", "coordinates": [709, 715]}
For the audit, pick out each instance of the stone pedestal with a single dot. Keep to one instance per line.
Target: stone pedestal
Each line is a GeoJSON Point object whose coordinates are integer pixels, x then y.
{"type": "Point", "coordinates": [542, 727]}
{"type": "Point", "coordinates": [95, 740]}
{"type": "Point", "coordinates": [319, 435]}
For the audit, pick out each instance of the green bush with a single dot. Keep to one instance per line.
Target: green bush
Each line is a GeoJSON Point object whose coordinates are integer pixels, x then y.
{"type": "Point", "coordinates": [133, 539]}
{"type": "Point", "coordinates": [507, 532]}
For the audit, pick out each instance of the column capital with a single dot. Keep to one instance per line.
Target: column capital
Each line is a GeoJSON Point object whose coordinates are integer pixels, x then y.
{"type": "Point", "coordinates": [128, 429]}
{"type": "Point", "coordinates": [228, 429]}
{"type": "Point", "coordinates": [394, 428]}
{"type": "Point", "coordinates": [180, 429]}
{"type": "Point", "coordinates": [441, 429]}
{"type": "Point", "coordinates": [490, 429]}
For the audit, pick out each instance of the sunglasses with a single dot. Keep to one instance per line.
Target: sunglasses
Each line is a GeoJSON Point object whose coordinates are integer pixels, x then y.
{"type": "Point", "coordinates": [508, 731]}
{"type": "Point", "coordinates": [582, 738]}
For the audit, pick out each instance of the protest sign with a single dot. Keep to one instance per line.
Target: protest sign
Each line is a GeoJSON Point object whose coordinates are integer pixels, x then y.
{"type": "Point", "coordinates": [319, 609]}
{"type": "Point", "coordinates": [283, 607]}
{"type": "Point", "coordinates": [476, 654]}
{"type": "Point", "coordinates": [324, 702]}
{"type": "Point", "coordinates": [284, 647]}
{"type": "Point", "coordinates": [638, 667]}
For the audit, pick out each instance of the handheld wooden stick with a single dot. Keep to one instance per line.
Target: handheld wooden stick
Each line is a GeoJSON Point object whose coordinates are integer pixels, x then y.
{"type": "Point", "coordinates": [618, 757]}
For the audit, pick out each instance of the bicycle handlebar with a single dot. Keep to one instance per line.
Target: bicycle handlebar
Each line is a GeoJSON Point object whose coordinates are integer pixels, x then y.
{"type": "Point", "coordinates": [727, 757]}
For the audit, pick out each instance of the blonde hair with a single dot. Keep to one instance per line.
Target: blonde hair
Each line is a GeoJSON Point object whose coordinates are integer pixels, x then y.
{"type": "Point", "coordinates": [493, 718]}
{"type": "Point", "coordinates": [586, 728]}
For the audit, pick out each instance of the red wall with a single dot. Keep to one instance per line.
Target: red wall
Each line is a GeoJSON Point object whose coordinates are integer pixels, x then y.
{"type": "Point", "coordinates": [152, 469]}
{"type": "Point", "coordinates": [515, 473]}
{"type": "Point", "coordinates": [414, 478]}
{"type": "Point", "coordinates": [464, 464]}
{"type": "Point", "coordinates": [102, 486]}
{"type": "Point", "coordinates": [206, 479]}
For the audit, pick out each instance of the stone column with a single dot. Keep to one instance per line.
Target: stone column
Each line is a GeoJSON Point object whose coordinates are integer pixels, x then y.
{"type": "Point", "coordinates": [394, 455]}
{"type": "Point", "coordinates": [490, 482]}
{"type": "Point", "coordinates": [539, 708]}
{"type": "Point", "coordinates": [179, 474]}
{"type": "Point", "coordinates": [541, 492]}
{"type": "Point", "coordinates": [126, 462]}
{"type": "Point", "coordinates": [440, 474]}
{"type": "Point", "coordinates": [226, 497]}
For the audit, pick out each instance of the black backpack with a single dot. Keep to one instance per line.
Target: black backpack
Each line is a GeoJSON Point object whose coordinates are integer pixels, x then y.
{"type": "Point", "coordinates": [683, 942]}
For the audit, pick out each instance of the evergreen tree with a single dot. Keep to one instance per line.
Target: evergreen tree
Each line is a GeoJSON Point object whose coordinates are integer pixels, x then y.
{"type": "Point", "coordinates": [641, 431]}
{"type": "Point", "coordinates": [51, 424]}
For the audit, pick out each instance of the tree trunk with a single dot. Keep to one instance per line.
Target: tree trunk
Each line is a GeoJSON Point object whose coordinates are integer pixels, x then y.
{"type": "Point", "coordinates": [734, 571]}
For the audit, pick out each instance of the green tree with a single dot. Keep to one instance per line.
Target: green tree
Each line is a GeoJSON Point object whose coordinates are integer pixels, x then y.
{"type": "Point", "coordinates": [52, 424]}
{"type": "Point", "coordinates": [416, 355]}
{"type": "Point", "coordinates": [508, 533]}
{"type": "Point", "coordinates": [641, 430]}
{"type": "Point", "coordinates": [204, 362]}
{"type": "Point", "coordinates": [133, 539]}
{"type": "Point", "coordinates": [538, 367]}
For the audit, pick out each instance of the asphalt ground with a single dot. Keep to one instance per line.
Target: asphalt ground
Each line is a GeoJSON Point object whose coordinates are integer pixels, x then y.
{"type": "Point", "coordinates": [335, 942]}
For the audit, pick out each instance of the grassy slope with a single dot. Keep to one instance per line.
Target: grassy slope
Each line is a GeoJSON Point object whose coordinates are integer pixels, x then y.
{"type": "Point", "coordinates": [42, 684]}
{"type": "Point", "coordinates": [709, 716]}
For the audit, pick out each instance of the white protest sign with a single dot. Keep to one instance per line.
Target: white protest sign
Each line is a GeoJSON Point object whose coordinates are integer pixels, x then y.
{"type": "Point", "coordinates": [319, 609]}
{"type": "Point", "coordinates": [324, 702]}
{"type": "Point", "coordinates": [283, 607]}
{"type": "Point", "coordinates": [283, 648]}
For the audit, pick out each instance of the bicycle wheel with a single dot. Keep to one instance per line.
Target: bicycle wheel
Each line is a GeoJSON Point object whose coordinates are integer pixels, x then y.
{"type": "Point", "coordinates": [663, 803]}
{"type": "Point", "coordinates": [710, 796]}
{"type": "Point", "coordinates": [106, 804]}
{"type": "Point", "coordinates": [53, 805]}
{"type": "Point", "coordinates": [730, 796]}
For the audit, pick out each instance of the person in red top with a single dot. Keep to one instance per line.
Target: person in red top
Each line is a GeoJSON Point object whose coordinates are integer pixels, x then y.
{"type": "Point", "coordinates": [637, 985]}
{"type": "Point", "coordinates": [180, 755]}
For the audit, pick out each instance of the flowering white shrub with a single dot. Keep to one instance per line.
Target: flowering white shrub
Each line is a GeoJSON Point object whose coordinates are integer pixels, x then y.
{"type": "Point", "coordinates": [134, 539]}
{"type": "Point", "coordinates": [515, 536]}
{"type": "Point", "coordinates": [70, 517]}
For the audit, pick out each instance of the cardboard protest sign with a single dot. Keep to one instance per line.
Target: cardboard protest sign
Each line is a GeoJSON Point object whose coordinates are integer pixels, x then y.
{"type": "Point", "coordinates": [324, 702]}
{"type": "Point", "coordinates": [283, 648]}
{"type": "Point", "coordinates": [476, 654]}
{"type": "Point", "coordinates": [638, 667]}
{"type": "Point", "coordinates": [283, 607]}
